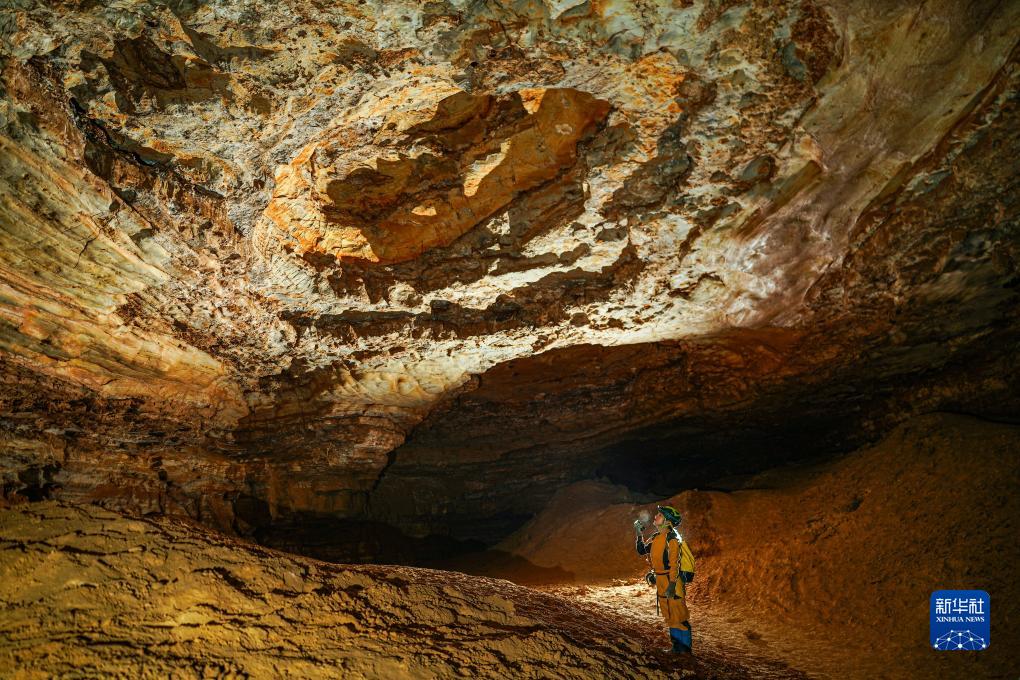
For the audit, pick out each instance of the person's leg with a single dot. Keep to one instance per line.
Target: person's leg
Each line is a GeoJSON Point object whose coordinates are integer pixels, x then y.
{"type": "Point", "coordinates": [661, 583]}
{"type": "Point", "coordinates": [679, 625]}
{"type": "Point", "coordinates": [681, 638]}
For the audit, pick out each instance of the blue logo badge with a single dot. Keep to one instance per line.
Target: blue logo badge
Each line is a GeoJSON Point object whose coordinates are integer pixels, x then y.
{"type": "Point", "coordinates": [960, 620]}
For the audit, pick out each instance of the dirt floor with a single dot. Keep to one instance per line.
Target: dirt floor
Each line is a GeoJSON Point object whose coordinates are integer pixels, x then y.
{"type": "Point", "coordinates": [820, 571]}
{"type": "Point", "coordinates": [86, 592]}
{"type": "Point", "coordinates": [827, 568]}
{"type": "Point", "coordinates": [719, 632]}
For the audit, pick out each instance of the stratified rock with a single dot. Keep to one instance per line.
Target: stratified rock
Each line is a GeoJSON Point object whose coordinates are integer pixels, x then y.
{"type": "Point", "coordinates": [266, 261]}
{"type": "Point", "coordinates": [113, 596]}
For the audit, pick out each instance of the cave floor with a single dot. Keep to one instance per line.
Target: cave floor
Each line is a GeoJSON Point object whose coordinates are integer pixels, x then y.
{"type": "Point", "coordinates": [720, 632]}
{"type": "Point", "coordinates": [83, 587]}
{"type": "Point", "coordinates": [723, 636]}
{"type": "Point", "coordinates": [87, 592]}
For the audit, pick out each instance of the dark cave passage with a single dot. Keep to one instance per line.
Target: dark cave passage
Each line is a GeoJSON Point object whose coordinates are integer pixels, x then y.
{"type": "Point", "coordinates": [656, 463]}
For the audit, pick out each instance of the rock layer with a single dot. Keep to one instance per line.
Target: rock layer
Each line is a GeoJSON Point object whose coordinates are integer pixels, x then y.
{"type": "Point", "coordinates": [435, 176]}
{"type": "Point", "coordinates": [112, 596]}
{"type": "Point", "coordinates": [824, 563]}
{"type": "Point", "coordinates": [259, 262]}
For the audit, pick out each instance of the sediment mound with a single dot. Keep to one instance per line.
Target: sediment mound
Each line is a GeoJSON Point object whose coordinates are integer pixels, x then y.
{"type": "Point", "coordinates": [831, 567]}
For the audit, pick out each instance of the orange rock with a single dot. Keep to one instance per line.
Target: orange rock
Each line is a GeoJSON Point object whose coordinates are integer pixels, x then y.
{"type": "Point", "coordinates": [435, 180]}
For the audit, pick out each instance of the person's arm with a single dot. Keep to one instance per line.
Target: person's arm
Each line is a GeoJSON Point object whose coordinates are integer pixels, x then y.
{"type": "Point", "coordinates": [642, 547]}
{"type": "Point", "coordinates": [673, 546]}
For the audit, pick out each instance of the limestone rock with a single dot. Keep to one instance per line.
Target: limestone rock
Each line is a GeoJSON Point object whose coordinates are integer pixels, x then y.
{"type": "Point", "coordinates": [271, 260]}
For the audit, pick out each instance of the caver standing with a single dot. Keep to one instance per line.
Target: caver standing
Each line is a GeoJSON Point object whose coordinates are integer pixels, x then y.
{"type": "Point", "coordinates": [673, 565]}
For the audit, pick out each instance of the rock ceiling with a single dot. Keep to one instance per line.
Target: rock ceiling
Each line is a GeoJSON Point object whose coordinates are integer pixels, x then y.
{"type": "Point", "coordinates": [246, 250]}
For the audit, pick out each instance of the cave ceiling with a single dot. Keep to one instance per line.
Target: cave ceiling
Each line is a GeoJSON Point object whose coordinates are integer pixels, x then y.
{"type": "Point", "coordinates": [435, 259]}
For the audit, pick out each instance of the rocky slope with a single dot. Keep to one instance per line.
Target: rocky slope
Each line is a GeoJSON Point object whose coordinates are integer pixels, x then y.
{"type": "Point", "coordinates": [829, 567]}
{"type": "Point", "coordinates": [111, 596]}
{"type": "Point", "coordinates": [383, 260]}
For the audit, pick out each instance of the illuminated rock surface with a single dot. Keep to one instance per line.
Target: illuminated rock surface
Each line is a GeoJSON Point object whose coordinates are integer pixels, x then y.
{"type": "Point", "coordinates": [278, 267]}
{"type": "Point", "coordinates": [111, 595]}
{"type": "Point", "coordinates": [375, 281]}
{"type": "Point", "coordinates": [831, 566]}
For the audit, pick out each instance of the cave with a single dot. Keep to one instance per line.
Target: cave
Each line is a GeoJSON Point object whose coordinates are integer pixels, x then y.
{"type": "Point", "coordinates": [358, 339]}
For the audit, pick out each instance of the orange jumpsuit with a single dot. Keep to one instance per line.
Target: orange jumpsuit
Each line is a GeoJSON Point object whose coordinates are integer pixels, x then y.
{"type": "Point", "coordinates": [664, 551]}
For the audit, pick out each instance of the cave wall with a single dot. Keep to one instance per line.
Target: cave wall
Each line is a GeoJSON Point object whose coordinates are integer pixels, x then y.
{"type": "Point", "coordinates": [425, 264]}
{"type": "Point", "coordinates": [824, 563]}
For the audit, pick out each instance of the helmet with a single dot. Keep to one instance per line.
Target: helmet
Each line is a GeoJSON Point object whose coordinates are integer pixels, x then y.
{"type": "Point", "coordinates": [671, 514]}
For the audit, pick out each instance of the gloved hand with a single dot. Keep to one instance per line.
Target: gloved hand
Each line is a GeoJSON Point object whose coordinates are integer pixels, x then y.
{"type": "Point", "coordinates": [639, 526]}
{"type": "Point", "coordinates": [671, 590]}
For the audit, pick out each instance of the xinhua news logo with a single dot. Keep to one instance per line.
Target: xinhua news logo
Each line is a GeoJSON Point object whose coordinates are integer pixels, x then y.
{"type": "Point", "coordinates": [960, 620]}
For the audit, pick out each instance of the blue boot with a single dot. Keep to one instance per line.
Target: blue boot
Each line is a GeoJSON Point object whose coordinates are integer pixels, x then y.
{"type": "Point", "coordinates": [681, 640]}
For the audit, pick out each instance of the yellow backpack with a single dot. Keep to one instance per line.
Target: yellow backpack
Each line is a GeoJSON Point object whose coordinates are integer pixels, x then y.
{"type": "Point", "coordinates": [686, 561]}
{"type": "Point", "coordinates": [686, 556]}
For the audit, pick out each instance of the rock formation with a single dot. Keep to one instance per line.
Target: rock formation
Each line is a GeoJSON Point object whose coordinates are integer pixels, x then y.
{"type": "Point", "coordinates": [402, 281]}
{"type": "Point", "coordinates": [269, 264]}
{"type": "Point", "coordinates": [115, 596]}
{"type": "Point", "coordinates": [828, 563]}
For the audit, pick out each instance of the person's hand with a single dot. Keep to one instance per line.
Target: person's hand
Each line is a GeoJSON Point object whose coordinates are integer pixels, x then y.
{"type": "Point", "coordinates": [639, 527]}
{"type": "Point", "coordinates": [671, 590]}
